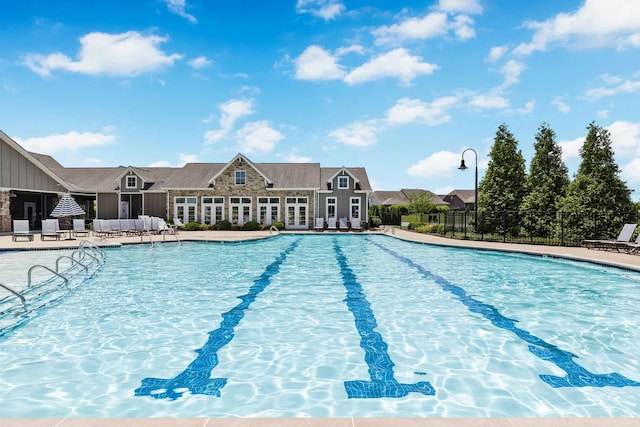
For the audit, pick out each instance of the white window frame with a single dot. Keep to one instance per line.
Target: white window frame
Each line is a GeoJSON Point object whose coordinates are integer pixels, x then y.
{"type": "Point", "coordinates": [355, 202]}
{"type": "Point", "coordinates": [297, 212]}
{"type": "Point", "coordinates": [184, 207]}
{"type": "Point", "coordinates": [244, 206]}
{"type": "Point", "coordinates": [343, 179]}
{"type": "Point", "coordinates": [332, 202]}
{"type": "Point", "coordinates": [271, 205]}
{"type": "Point", "coordinates": [135, 181]}
{"type": "Point", "coordinates": [238, 175]}
{"type": "Point", "coordinates": [215, 206]}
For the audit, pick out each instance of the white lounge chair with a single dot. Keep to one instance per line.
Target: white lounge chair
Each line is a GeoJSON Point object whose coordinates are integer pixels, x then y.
{"type": "Point", "coordinates": [331, 224]}
{"type": "Point", "coordinates": [623, 238]}
{"type": "Point", "coordinates": [355, 224]}
{"type": "Point", "coordinates": [79, 228]}
{"type": "Point", "coordinates": [51, 228]}
{"type": "Point", "coordinates": [319, 225]}
{"type": "Point", "coordinates": [177, 222]}
{"type": "Point", "coordinates": [344, 225]}
{"type": "Point", "coordinates": [21, 229]}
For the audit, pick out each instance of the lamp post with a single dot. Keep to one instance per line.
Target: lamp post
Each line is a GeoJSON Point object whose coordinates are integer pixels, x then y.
{"type": "Point", "coordinates": [463, 168]}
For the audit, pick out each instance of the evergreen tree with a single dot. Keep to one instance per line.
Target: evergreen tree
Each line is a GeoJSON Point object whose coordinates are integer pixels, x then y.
{"type": "Point", "coordinates": [503, 185]}
{"type": "Point", "coordinates": [546, 184]}
{"type": "Point", "coordinates": [597, 200]}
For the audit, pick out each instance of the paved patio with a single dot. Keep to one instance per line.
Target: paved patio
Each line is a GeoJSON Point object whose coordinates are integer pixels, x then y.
{"type": "Point", "coordinates": [622, 260]}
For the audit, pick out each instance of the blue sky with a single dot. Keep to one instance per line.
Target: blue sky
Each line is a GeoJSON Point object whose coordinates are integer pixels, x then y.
{"type": "Point", "coordinates": [401, 88]}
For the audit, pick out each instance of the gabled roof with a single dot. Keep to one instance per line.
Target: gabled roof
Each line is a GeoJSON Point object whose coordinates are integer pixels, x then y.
{"type": "Point", "coordinates": [35, 161]}
{"type": "Point", "coordinates": [467, 196]}
{"type": "Point", "coordinates": [388, 198]}
{"type": "Point", "coordinates": [239, 159]}
{"type": "Point", "coordinates": [145, 175]}
{"type": "Point", "coordinates": [359, 175]}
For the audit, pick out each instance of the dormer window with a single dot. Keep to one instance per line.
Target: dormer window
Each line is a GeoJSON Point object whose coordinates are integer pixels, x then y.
{"type": "Point", "coordinates": [241, 177]}
{"type": "Point", "coordinates": [132, 181]}
{"type": "Point", "coordinates": [343, 182]}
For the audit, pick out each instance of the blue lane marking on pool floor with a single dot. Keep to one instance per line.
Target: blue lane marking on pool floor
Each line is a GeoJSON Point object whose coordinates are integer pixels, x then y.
{"type": "Point", "coordinates": [196, 377]}
{"type": "Point", "coordinates": [382, 381]}
{"type": "Point", "coordinates": [577, 376]}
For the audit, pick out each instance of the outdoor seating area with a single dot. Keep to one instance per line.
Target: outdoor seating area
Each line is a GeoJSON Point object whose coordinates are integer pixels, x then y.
{"type": "Point", "coordinates": [622, 243]}
{"type": "Point", "coordinates": [131, 227]}
{"type": "Point", "coordinates": [334, 224]}
{"type": "Point", "coordinates": [21, 230]}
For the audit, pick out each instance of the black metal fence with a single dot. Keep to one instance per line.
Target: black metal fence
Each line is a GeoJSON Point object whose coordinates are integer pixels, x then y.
{"type": "Point", "coordinates": [557, 228]}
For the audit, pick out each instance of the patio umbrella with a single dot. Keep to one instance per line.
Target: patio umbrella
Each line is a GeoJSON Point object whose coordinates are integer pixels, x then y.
{"type": "Point", "coordinates": [67, 207]}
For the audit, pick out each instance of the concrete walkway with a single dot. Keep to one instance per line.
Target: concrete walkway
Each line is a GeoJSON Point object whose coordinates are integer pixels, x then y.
{"type": "Point", "coordinates": [622, 260]}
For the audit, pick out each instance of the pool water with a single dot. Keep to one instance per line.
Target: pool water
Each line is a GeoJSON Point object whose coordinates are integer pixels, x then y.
{"type": "Point", "coordinates": [330, 325]}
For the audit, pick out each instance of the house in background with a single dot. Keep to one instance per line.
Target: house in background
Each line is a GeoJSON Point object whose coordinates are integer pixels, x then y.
{"type": "Point", "coordinates": [403, 197]}
{"type": "Point", "coordinates": [460, 200]}
{"type": "Point", "coordinates": [237, 191]}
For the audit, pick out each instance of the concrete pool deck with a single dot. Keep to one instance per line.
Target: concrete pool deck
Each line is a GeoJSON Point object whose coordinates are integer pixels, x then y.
{"type": "Point", "coordinates": [631, 262]}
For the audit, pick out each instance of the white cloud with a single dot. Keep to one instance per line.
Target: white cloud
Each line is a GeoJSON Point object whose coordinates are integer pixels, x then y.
{"type": "Point", "coordinates": [561, 105]}
{"type": "Point", "coordinates": [325, 9]}
{"type": "Point", "coordinates": [183, 159]}
{"type": "Point", "coordinates": [69, 141]}
{"type": "Point", "coordinates": [178, 7]}
{"type": "Point", "coordinates": [200, 62]}
{"type": "Point", "coordinates": [617, 85]}
{"type": "Point", "coordinates": [496, 53]}
{"type": "Point", "coordinates": [511, 71]}
{"type": "Point", "coordinates": [460, 6]}
{"type": "Point", "coordinates": [124, 54]}
{"type": "Point", "coordinates": [571, 148]}
{"type": "Point", "coordinates": [358, 134]}
{"type": "Point", "coordinates": [429, 26]}
{"type": "Point", "coordinates": [396, 63]}
{"type": "Point", "coordinates": [294, 158]}
{"type": "Point", "coordinates": [231, 111]}
{"type": "Point", "coordinates": [440, 164]}
{"type": "Point", "coordinates": [631, 171]}
{"type": "Point", "coordinates": [528, 108]}
{"type": "Point", "coordinates": [316, 63]}
{"type": "Point", "coordinates": [598, 23]}
{"type": "Point", "coordinates": [489, 100]}
{"type": "Point", "coordinates": [411, 110]}
{"type": "Point", "coordinates": [625, 138]}
{"type": "Point", "coordinates": [258, 137]}
{"type": "Point", "coordinates": [602, 114]}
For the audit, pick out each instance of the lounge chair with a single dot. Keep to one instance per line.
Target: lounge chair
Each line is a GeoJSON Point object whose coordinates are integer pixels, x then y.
{"type": "Point", "coordinates": [331, 224]}
{"type": "Point", "coordinates": [51, 228]}
{"type": "Point", "coordinates": [631, 247]}
{"type": "Point", "coordinates": [79, 228]}
{"type": "Point", "coordinates": [623, 238]}
{"type": "Point", "coordinates": [319, 225]}
{"type": "Point", "coordinates": [355, 224]}
{"type": "Point", "coordinates": [21, 229]}
{"type": "Point", "coordinates": [344, 225]}
{"type": "Point", "coordinates": [178, 223]}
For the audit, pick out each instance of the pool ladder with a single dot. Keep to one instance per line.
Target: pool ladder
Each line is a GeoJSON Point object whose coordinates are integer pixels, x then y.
{"type": "Point", "coordinates": [85, 249]}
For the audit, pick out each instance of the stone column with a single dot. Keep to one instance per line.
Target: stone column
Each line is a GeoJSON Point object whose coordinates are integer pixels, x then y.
{"type": "Point", "coordinates": [5, 213]}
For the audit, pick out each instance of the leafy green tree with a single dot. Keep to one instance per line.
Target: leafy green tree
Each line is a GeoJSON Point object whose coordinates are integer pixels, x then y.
{"type": "Point", "coordinates": [421, 203]}
{"type": "Point", "coordinates": [546, 184]}
{"type": "Point", "coordinates": [502, 188]}
{"type": "Point", "coordinates": [598, 202]}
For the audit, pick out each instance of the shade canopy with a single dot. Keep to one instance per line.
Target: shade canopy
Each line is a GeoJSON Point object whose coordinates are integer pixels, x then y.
{"type": "Point", "coordinates": [67, 207]}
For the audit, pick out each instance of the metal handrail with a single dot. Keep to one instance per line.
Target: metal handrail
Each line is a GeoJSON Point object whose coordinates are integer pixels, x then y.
{"type": "Point", "coordinates": [72, 261]}
{"type": "Point", "coordinates": [84, 253]}
{"type": "Point", "coordinates": [66, 281]}
{"type": "Point", "coordinates": [274, 228]}
{"type": "Point", "coordinates": [16, 293]}
{"type": "Point", "coordinates": [94, 247]}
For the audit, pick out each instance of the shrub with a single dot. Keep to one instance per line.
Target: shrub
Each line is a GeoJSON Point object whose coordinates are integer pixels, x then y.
{"type": "Point", "coordinates": [223, 225]}
{"type": "Point", "coordinates": [192, 226]}
{"type": "Point", "coordinates": [251, 226]}
{"type": "Point", "coordinates": [376, 221]}
{"type": "Point", "coordinates": [278, 224]}
{"type": "Point", "coordinates": [414, 225]}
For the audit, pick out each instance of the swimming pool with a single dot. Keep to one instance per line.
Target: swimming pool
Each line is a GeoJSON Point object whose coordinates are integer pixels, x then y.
{"type": "Point", "coordinates": [330, 326]}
